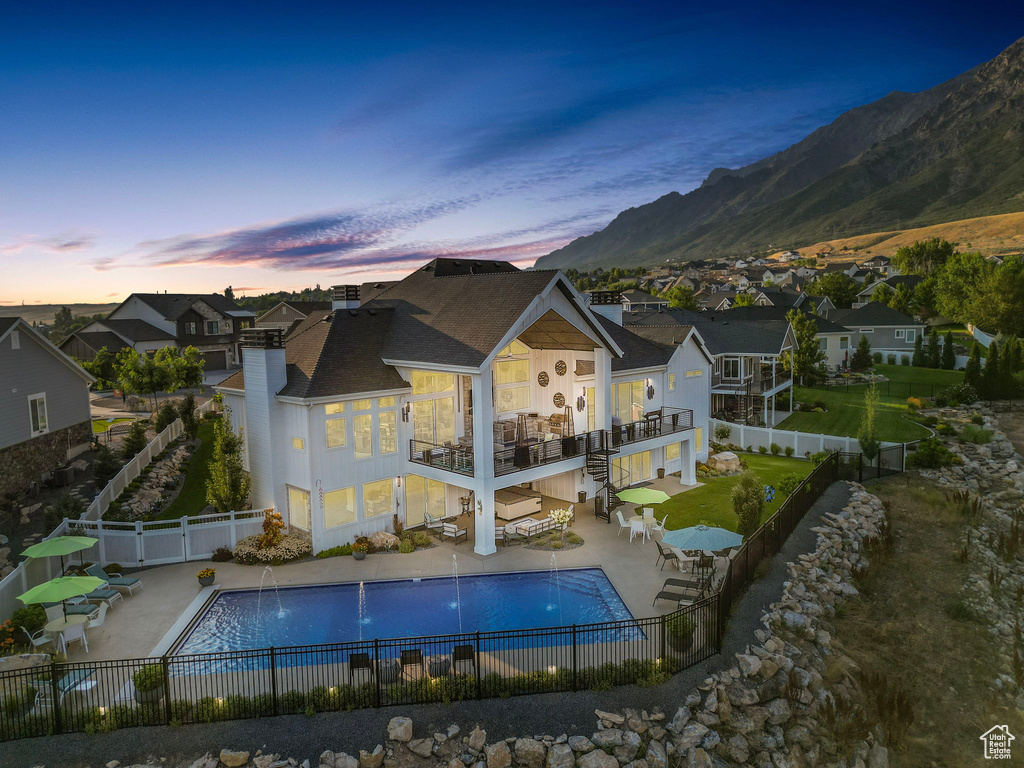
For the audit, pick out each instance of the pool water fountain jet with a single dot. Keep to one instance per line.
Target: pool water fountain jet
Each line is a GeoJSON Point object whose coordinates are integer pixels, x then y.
{"type": "Point", "coordinates": [277, 594]}
{"type": "Point", "coordinates": [458, 594]}
{"type": "Point", "coordinates": [554, 584]}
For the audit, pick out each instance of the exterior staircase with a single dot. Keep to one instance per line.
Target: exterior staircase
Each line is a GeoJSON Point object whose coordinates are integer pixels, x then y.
{"type": "Point", "coordinates": [599, 454]}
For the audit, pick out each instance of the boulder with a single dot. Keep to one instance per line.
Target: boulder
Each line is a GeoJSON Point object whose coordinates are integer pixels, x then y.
{"type": "Point", "coordinates": [725, 461]}
{"type": "Point", "coordinates": [560, 756]}
{"type": "Point", "coordinates": [234, 758]}
{"type": "Point", "coordinates": [400, 729]}
{"type": "Point", "coordinates": [530, 753]}
{"type": "Point", "coordinates": [373, 759]}
{"type": "Point", "coordinates": [498, 755]}
{"type": "Point", "coordinates": [477, 738]}
{"type": "Point", "coordinates": [597, 759]}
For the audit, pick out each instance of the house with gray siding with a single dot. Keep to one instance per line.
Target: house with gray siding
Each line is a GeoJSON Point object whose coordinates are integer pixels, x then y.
{"type": "Point", "coordinates": [887, 330]}
{"type": "Point", "coordinates": [44, 407]}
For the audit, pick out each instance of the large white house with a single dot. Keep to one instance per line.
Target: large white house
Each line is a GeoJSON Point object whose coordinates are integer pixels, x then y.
{"type": "Point", "coordinates": [469, 387]}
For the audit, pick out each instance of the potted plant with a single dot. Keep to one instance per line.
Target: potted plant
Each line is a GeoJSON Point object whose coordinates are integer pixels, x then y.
{"type": "Point", "coordinates": [206, 576]}
{"type": "Point", "coordinates": [679, 631]}
{"type": "Point", "coordinates": [149, 684]}
{"type": "Point", "coordinates": [359, 550]}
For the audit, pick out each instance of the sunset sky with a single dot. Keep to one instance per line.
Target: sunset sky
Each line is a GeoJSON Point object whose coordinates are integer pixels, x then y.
{"type": "Point", "coordinates": [146, 146]}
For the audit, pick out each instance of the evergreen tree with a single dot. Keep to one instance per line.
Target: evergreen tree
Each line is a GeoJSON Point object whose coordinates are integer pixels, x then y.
{"type": "Point", "coordinates": [187, 414]}
{"type": "Point", "coordinates": [933, 349]}
{"type": "Point", "coordinates": [948, 354]}
{"type": "Point", "coordinates": [972, 371]}
{"type": "Point", "coordinates": [165, 416]}
{"type": "Point", "coordinates": [861, 360]}
{"type": "Point", "coordinates": [867, 435]}
{"type": "Point", "coordinates": [990, 389]}
{"type": "Point", "coordinates": [808, 356]}
{"type": "Point", "coordinates": [134, 441]}
{"type": "Point", "coordinates": [748, 503]}
{"type": "Point", "coordinates": [229, 484]}
{"type": "Point", "coordinates": [918, 360]}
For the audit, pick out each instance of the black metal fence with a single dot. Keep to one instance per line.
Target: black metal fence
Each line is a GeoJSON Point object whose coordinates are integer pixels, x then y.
{"type": "Point", "coordinates": [890, 461]}
{"type": "Point", "coordinates": [899, 390]}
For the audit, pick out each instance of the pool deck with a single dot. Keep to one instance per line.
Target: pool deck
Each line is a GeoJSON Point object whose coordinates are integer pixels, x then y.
{"type": "Point", "coordinates": [140, 625]}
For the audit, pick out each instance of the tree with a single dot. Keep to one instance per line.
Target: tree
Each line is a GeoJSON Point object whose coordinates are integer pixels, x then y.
{"type": "Point", "coordinates": [748, 503]}
{"type": "Point", "coordinates": [957, 283]}
{"type": "Point", "coordinates": [948, 353]}
{"type": "Point", "coordinates": [998, 304]}
{"type": "Point", "coordinates": [743, 300]}
{"type": "Point", "coordinates": [883, 294]}
{"type": "Point", "coordinates": [924, 257]}
{"type": "Point", "coordinates": [102, 367]}
{"type": "Point", "coordinates": [63, 318]}
{"type": "Point", "coordinates": [924, 298]}
{"type": "Point", "coordinates": [187, 414]}
{"type": "Point", "coordinates": [808, 355]}
{"type": "Point", "coordinates": [229, 294]}
{"type": "Point", "coordinates": [105, 466]}
{"type": "Point", "coordinates": [903, 299]}
{"type": "Point", "coordinates": [839, 287]}
{"type": "Point", "coordinates": [681, 297]}
{"type": "Point", "coordinates": [135, 440]}
{"type": "Point", "coordinates": [933, 357]}
{"type": "Point", "coordinates": [229, 484]}
{"type": "Point", "coordinates": [861, 359]}
{"type": "Point", "coordinates": [972, 371]}
{"type": "Point", "coordinates": [867, 435]}
{"type": "Point", "coordinates": [165, 416]}
{"type": "Point", "coordinates": [918, 360]}
{"type": "Point", "coordinates": [990, 389]}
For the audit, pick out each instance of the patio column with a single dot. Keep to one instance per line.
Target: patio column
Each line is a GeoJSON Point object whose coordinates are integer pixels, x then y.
{"type": "Point", "coordinates": [688, 463]}
{"type": "Point", "coordinates": [483, 462]}
{"type": "Point", "coordinates": [791, 397]}
{"type": "Point", "coordinates": [602, 389]}
{"type": "Point", "coordinates": [765, 399]}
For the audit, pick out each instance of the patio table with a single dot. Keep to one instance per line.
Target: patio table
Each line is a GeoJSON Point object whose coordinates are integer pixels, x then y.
{"type": "Point", "coordinates": [59, 625]}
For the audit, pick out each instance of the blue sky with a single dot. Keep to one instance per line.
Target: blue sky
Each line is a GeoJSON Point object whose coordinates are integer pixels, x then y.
{"type": "Point", "coordinates": [274, 146]}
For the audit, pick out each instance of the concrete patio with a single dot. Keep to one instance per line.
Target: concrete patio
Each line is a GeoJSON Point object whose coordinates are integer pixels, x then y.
{"type": "Point", "coordinates": [137, 625]}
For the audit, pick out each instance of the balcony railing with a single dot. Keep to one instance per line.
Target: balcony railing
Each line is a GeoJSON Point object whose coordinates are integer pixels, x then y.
{"type": "Point", "coordinates": [515, 458]}
{"type": "Point", "coordinates": [752, 384]}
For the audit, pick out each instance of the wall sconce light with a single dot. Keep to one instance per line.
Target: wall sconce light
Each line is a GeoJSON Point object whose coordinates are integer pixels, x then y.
{"type": "Point", "coordinates": [650, 390]}
{"type": "Point", "coordinates": [398, 480]}
{"type": "Point", "coordinates": [405, 411]}
{"type": "Point", "coordinates": [581, 401]}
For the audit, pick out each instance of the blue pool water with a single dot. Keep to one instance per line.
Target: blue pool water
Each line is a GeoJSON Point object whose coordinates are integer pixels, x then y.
{"type": "Point", "coordinates": [241, 620]}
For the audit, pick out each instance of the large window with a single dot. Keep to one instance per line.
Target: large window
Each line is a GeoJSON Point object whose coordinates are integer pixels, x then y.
{"type": "Point", "coordinates": [511, 371]}
{"type": "Point", "coordinates": [378, 498]}
{"type": "Point", "coordinates": [332, 408]}
{"type": "Point", "coordinates": [513, 398]}
{"type": "Point", "coordinates": [37, 414]}
{"type": "Point", "coordinates": [298, 508]}
{"type": "Point", "coordinates": [336, 433]}
{"type": "Point", "coordinates": [628, 401]}
{"type": "Point", "coordinates": [515, 348]}
{"type": "Point", "coordinates": [671, 451]}
{"type": "Point", "coordinates": [433, 421]}
{"type": "Point", "coordinates": [388, 427]}
{"type": "Point", "coordinates": [362, 436]}
{"type": "Point", "coordinates": [423, 498]}
{"type": "Point", "coordinates": [362, 405]}
{"type": "Point", "coordinates": [430, 382]}
{"type": "Point", "coordinates": [911, 335]}
{"type": "Point", "coordinates": [339, 507]}
{"type": "Point", "coordinates": [731, 368]}
{"type": "Point", "coordinates": [385, 402]}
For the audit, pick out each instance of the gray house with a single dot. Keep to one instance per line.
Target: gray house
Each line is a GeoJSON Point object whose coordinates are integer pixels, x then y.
{"type": "Point", "coordinates": [887, 330]}
{"type": "Point", "coordinates": [44, 406]}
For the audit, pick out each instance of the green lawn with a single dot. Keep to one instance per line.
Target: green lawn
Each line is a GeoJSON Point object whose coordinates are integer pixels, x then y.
{"type": "Point", "coordinates": [99, 426]}
{"type": "Point", "coordinates": [192, 499]}
{"type": "Point", "coordinates": [712, 502]}
{"type": "Point", "coordinates": [845, 406]}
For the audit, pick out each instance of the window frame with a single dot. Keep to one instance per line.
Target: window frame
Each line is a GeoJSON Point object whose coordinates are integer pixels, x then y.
{"type": "Point", "coordinates": [390, 484]}
{"type": "Point", "coordinates": [33, 415]}
{"type": "Point", "coordinates": [359, 418]}
{"type": "Point", "coordinates": [392, 416]}
{"type": "Point", "coordinates": [355, 508]}
{"type": "Point", "coordinates": [298, 443]}
{"type": "Point", "coordinates": [212, 327]}
{"type": "Point", "coordinates": [309, 507]}
{"type": "Point", "coordinates": [910, 336]}
{"type": "Point", "coordinates": [327, 434]}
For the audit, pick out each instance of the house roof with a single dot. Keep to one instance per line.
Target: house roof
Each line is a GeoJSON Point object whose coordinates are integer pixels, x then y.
{"type": "Point", "coordinates": [721, 333]}
{"type": "Point", "coordinates": [304, 307]}
{"type": "Point", "coordinates": [135, 330]}
{"type": "Point", "coordinates": [97, 340]}
{"type": "Point", "coordinates": [872, 313]}
{"type": "Point", "coordinates": [637, 351]}
{"type": "Point", "coordinates": [778, 314]}
{"type": "Point", "coordinates": [893, 282]}
{"type": "Point", "coordinates": [633, 296]}
{"type": "Point", "coordinates": [8, 324]}
{"type": "Point", "coordinates": [174, 305]}
{"type": "Point", "coordinates": [782, 297]}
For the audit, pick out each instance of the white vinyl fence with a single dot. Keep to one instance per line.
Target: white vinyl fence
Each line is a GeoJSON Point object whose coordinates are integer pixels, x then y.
{"type": "Point", "coordinates": [800, 442]}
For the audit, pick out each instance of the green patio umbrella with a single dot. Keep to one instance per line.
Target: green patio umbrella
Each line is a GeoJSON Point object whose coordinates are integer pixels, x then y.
{"type": "Point", "coordinates": [60, 589]}
{"type": "Point", "coordinates": [643, 496]}
{"type": "Point", "coordinates": [59, 546]}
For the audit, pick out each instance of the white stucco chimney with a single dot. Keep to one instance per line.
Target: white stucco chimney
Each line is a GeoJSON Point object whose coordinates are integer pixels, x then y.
{"type": "Point", "coordinates": [263, 360]}
{"type": "Point", "coordinates": [345, 297]}
{"type": "Point", "coordinates": [608, 304]}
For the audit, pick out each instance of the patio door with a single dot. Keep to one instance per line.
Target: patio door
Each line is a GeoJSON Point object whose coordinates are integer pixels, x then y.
{"type": "Point", "coordinates": [434, 420]}
{"type": "Point", "coordinates": [423, 496]}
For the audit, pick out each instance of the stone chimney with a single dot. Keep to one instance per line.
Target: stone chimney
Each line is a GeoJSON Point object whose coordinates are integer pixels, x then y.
{"type": "Point", "coordinates": [345, 297]}
{"type": "Point", "coordinates": [263, 360]}
{"type": "Point", "coordinates": [608, 304]}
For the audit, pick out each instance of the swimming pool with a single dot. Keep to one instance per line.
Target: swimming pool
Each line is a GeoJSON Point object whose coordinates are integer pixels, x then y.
{"type": "Point", "coordinates": [353, 612]}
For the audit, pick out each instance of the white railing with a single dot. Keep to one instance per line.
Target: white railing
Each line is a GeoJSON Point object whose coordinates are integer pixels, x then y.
{"type": "Point", "coordinates": [983, 338]}
{"type": "Point", "coordinates": [134, 468]}
{"type": "Point", "coordinates": [801, 442]}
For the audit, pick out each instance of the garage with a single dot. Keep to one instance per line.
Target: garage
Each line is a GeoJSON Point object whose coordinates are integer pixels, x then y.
{"type": "Point", "coordinates": [216, 360]}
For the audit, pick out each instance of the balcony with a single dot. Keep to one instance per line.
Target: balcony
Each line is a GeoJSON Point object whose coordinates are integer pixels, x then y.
{"type": "Point", "coordinates": [536, 453]}
{"type": "Point", "coordinates": [755, 384]}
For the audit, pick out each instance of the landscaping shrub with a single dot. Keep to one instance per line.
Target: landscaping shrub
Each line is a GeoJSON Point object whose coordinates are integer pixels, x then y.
{"type": "Point", "coordinates": [788, 484]}
{"type": "Point", "coordinates": [65, 505]}
{"type": "Point", "coordinates": [877, 357]}
{"type": "Point", "coordinates": [762, 449]}
{"type": "Point", "coordinates": [134, 441]}
{"type": "Point", "coordinates": [249, 551]}
{"type": "Point", "coordinates": [342, 551]}
{"type": "Point", "coordinates": [31, 617]}
{"type": "Point", "coordinates": [406, 547]}
{"type": "Point", "coordinates": [723, 432]}
{"type": "Point", "coordinates": [904, 360]}
{"type": "Point", "coordinates": [789, 451]}
{"type": "Point", "coordinates": [915, 403]}
{"type": "Point", "coordinates": [165, 416]}
{"type": "Point", "coordinates": [776, 449]}
{"type": "Point", "coordinates": [977, 418]}
{"type": "Point", "coordinates": [890, 359]}
{"type": "Point", "coordinates": [187, 414]}
{"type": "Point", "coordinates": [748, 503]}
{"type": "Point", "coordinates": [820, 404]}
{"type": "Point", "coordinates": [105, 466]}
{"type": "Point", "coordinates": [819, 457]}
{"type": "Point", "coordinates": [110, 568]}
{"type": "Point", "coordinates": [222, 555]}
{"type": "Point", "coordinates": [945, 429]}
{"type": "Point", "coordinates": [932, 454]}
{"type": "Point", "coordinates": [957, 395]}
{"type": "Point", "coordinates": [972, 433]}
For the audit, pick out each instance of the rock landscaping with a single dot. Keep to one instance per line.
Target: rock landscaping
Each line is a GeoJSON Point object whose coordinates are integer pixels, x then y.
{"type": "Point", "coordinates": [150, 493]}
{"type": "Point", "coordinates": [773, 707]}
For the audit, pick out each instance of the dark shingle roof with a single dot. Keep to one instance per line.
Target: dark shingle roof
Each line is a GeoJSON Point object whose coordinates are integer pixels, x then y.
{"type": "Point", "coordinates": [897, 280]}
{"type": "Point", "coordinates": [174, 305]}
{"type": "Point", "coordinates": [637, 351]}
{"type": "Point", "coordinates": [99, 339]}
{"type": "Point", "coordinates": [6, 323]}
{"type": "Point", "coordinates": [721, 333]}
{"type": "Point", "coordinates": [633, 296]}
{"type": "Point", "coordinates": [777, 314]}
{"type": "Point", "coordinates": [305, 307]}
{"type": "Point", "coordinates": [136, 330]}
{"type": "Point", "coordinates": [872, 313]}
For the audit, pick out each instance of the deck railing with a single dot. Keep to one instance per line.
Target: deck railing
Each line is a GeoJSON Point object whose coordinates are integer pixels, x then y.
{"type": "Point", "coordinates": [664, 421]}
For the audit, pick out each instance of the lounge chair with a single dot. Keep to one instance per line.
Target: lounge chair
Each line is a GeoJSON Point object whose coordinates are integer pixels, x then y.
{"type": "Point", "coordinates": [664, 552]}
{"type": "Point", "coordinates": [464, 654]}
{"type": "Point", "coordinates": [359, 661]}
{"type": "Point", "coordinates": [452, 531]}
{"type": "Point", "coordinates": [73, 606]}
{"type": "Point", "coordinates": [100, 617]}
{"type": "Point", "coordinates": [102, 595]}
{"type": "Point", "coordinates": [41, 637]}
{"type": "Point", "coordinates": [411, 657]}
{"type": "Point", "coordinates": [77, 680]}
{"type": "Point", "coordinates": [683, 590]}
{"type": "Point", "coordinates": [115, 580]}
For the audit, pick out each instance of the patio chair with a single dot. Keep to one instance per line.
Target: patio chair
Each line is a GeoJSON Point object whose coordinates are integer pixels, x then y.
{"type": "Point", "coordinates": [411, 657]}
{"type": "Point", "coordinates": [115, 580]}
{"type": "Point", "coordinates": [648, 513]}
{"type": "Point", "coordinates": [75, 681]}
{"type": "Point", "coordinates": [658, 527]}
{"type": "Point", "coordinates": [41, 637]}
{"type": "Point", "coordinates": [78, 606]}
{"type": "Point", "coordinates": [73, 633]}
{"type": "Point", "coordinates": [433, 524]}
{"type": "Point", "coordinates": [100, 617]}
{"type": "Point", "coordinates": [637, 528]}
{"type": "Point", "coordinates": [104, 594]}
{"type": "Point", "coordinates": [664, 553]}
{"type": "Point", "coordinates": [53, 611]}
{"type": "Point", "coordinates": [463, 653]}
{"type": "Point", "coordinates": [359, 661]}
{"type": "Point", "coordinates": [452, 531]}
{"type": "Point", "coordinates": [623, 525]}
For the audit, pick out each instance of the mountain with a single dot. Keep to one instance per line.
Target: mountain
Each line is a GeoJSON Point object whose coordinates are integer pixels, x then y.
{"type": "Point", "coordinates": [955, 151]}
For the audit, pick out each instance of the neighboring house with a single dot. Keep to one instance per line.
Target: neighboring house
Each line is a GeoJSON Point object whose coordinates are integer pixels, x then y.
{"type": "Point", "coordinates": [634, 299]}
{"type": "Point", "coordinates": [864, 295]}
{"type": "Point", "coordinates": [717, 301]}
{"type": "Point", "coordinates": [44, 407]}
{"type": "Point", "coordinates": [882, 264]}
{"type": "Point", "coordinates": [866, 276]}
{"type": "Point", "coordinates": [780, 297]}
{"type": "Point", "coordinates": [821, 304]}
{"type": "Point", "coordinates": [747, 353]}
{"type": "Point", "coordinates": [288, 314]}
{"type": "Point", "coordinates": [888, 331]}
{"type": "Point", "coordinates": [449, 392]}
{"type": "Point", "coordinates": [149, 321]}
